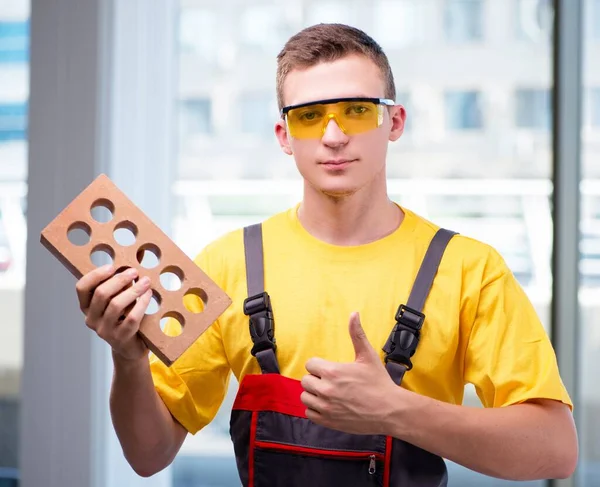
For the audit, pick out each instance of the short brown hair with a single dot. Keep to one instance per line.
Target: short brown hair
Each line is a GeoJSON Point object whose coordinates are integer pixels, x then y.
{"type": "Point", "coordinates": [327, 43]}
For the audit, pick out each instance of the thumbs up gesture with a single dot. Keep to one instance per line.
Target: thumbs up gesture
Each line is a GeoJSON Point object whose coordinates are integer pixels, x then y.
{"type": "Point", "coordinates": [363, 350]}
{"type": "Point", "coordinates": [352, 397]}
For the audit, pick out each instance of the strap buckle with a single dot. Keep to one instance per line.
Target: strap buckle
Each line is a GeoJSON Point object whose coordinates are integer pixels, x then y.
{"type": "Point", "coordinates": [257, 304]}
{"type": "Point", "coordinates": [262, 323]}
{"type": "Point", "coordinates": [405, 336]}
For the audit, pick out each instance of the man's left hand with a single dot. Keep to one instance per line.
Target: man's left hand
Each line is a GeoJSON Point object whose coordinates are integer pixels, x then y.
{"type": "Point", "coordinates": [352, 397]}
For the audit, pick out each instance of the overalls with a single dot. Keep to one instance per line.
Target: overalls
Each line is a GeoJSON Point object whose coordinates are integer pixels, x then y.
{"type": "Point", "coordinates": [277, 446]}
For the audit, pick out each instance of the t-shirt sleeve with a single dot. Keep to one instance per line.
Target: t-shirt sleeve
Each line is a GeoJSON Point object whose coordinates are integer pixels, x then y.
{"type": "Point", "coordinates": [509, 357]}
{"type": "Point", "coordinates": [194, 386]}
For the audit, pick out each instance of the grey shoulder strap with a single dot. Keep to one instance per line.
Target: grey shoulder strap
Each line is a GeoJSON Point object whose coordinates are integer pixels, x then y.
{"type": "Point", "coordinates": [253, 250]}
{"type": "Point", "coordinates": [402, 342]}
{"type": "Point", "coordinates": [428, 270]}
{"type": "Point", "coordinates": [258, 305]}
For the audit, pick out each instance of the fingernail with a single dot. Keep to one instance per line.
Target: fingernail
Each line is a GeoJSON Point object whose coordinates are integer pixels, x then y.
{"type": "Point", "coordinates": [108, 268]}
{"type": "Point", "coordinates": [131, 272]}
{"type": "Point", "coordinates": [145, 281]}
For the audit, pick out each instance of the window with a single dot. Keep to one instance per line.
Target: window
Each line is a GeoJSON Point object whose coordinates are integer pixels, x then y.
{"type": "Point", "coordinates": [329, 11]}
{"type": "Point", "coordinates": [595, 19]}
{"type": "Point", "coordinates": [463, 20]}
{"type": "Point", "coordinates": [463, 110]}
{"type": "Point", "coordinates": [533, 109]}
{"type": "Point", "coordinates": [14, 96]}
{"type": "Point", "coordinates": [589, 263]}
{"type": "Point", "coordinates": [595, 107]}
{"type": "Point", "coordinates": [258, 114]}
{"type": "Point", "coordinates": [534, 19]}
{"type": "Point", "coordinates": [13, 121]}
{"type": "Point", "coordinates": [198, 32]}
{"type": "Point", "coordinates": [589, 245]}
{"type": "Point", "coordinates": [14, 42]}
{"type": "Point", "coordinates": [195, 117]}
{"type": "Point", "coordinates": [261, 26]}
{"type": "Point", "coordinates": [399, 23]}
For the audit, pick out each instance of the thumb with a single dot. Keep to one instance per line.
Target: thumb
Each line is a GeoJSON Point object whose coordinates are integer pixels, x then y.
{"type": "Point", "coordinates": [362, 348]}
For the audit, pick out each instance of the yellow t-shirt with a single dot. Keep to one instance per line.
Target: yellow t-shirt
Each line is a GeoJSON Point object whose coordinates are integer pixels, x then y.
{"type": "Point", "coordinates": [480, 327]}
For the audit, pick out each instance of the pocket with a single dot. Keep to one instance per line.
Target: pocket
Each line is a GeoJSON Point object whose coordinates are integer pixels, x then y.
{"type": "Point", "coordinates": [294, 451]}
{"type": "Point", "coordinates": [284, 464]}
{"type": "Point", "coordinates": [277, 446]}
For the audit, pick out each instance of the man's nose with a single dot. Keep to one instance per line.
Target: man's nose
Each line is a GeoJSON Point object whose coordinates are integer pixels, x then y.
{"type": "Point", "coordinates": [333, 134]}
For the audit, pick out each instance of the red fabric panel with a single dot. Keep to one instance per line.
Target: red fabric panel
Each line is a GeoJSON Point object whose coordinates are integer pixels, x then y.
{"type": "Point", "coordinates": [388, 461]}
{"type": "Point", "coordinates": [270, 392]}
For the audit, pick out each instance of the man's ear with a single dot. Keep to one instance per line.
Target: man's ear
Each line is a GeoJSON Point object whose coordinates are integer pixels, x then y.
{"type": "Point", "coordinates": [282, 136]}
{"type": "Point", "coordinates": [398, 119]}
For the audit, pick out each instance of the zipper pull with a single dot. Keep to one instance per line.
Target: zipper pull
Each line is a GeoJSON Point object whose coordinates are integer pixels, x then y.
{"type": "Point", "coordinates": [372, 465]}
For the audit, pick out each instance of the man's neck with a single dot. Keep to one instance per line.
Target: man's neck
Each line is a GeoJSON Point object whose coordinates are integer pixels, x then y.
{"type": "Point", "coordinates": [360, 218]}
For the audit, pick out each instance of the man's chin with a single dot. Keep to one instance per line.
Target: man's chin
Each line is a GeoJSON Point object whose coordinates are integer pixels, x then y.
{"type": "Point", "coordinates": [338, 191]}
{"type": "Point", "coordinates": [334, 188]}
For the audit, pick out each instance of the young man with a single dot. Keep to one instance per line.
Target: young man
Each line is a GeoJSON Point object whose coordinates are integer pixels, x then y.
{"type": "Point", "coordinates": [336, 267]}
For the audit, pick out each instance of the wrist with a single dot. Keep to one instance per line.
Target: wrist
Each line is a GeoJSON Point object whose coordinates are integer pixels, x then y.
{"type": "Point", "coordinates": [398, 412]}
{"type": "Point", "coordinates": [127, 364]}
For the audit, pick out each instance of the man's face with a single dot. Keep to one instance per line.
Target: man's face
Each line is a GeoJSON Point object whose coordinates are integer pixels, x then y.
{"type": "Point", "coordinates": [335, 162]}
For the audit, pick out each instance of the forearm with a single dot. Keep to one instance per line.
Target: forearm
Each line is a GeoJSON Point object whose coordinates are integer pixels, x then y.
{"type": "Point", "coordinates": [148, 434]}
{"type": "Point", "coordinates": [521, 442]}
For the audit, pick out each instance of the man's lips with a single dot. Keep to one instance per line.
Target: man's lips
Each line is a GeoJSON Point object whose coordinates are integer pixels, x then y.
{"type": "Point", "coordinates": [337, 162]}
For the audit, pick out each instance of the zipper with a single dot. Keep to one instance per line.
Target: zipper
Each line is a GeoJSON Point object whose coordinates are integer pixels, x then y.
{"type": "Point", "coordinates": [372, 465]}
{"type": "Point", "coordinates": [318, 452]}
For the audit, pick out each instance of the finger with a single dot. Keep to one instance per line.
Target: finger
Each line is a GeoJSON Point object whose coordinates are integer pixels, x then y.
{"type": "Point", "coordinates": [313, 402]}
{"type": "Point", "coordinates": [131, 324]}
{"type": "Point", "coordinates": [315, 416]}
{"type": "Point", "coordinates": [118, 304]}
{"type": "Point", "coordinates": [362, 348]}
{"type": "Point", "coordinates": [107, 290]}
{"type": "Point", "coordinates": [87, 284]}
{"type": "Point", "coordinates": [310, 383]}
{"type": "Point", "coordinates": [317, 366]}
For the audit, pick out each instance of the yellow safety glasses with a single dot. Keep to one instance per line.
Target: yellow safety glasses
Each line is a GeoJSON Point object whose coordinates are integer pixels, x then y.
{"type": "Point", "coordinates": [352, 115]}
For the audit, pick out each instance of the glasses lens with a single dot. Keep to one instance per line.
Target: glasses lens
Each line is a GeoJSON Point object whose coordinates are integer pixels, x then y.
{"type": "Point", "coordinates": [358, 116]}
{"type": "Point", "coordinates": [352, 117]}
{"type": "Point", "coordinates": [307, 122]}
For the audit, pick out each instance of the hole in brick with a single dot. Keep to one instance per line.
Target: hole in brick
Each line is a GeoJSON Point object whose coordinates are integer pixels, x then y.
{"type": "Point", "coordinates": [172, 324]}
{"type": "Point", "coordinates": [125, 234]}
{"type": "Point", "coordinates": [171, 278]}
{"type": "Point", "coordinates": [154, 304]}
{"type": "Point", "coordinates": [195, 300]}
{"type": "Point", "coordinates": [102, 254]}
{"type": "Point", "coordinates": [102, 210]}
{"type": "Point", "coordinates": [148, 256]}
{"type": "Point", "coordinates": [79, 234]}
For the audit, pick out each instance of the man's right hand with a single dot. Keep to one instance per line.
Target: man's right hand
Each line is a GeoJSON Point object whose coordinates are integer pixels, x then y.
{"type": "Point", "coordinates": [105, 297]}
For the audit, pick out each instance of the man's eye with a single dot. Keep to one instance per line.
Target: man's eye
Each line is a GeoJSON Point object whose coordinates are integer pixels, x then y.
{"type": "Point", "coordinates": [357, 110]}
{"type": "Point", "coordinates": [309, 116]}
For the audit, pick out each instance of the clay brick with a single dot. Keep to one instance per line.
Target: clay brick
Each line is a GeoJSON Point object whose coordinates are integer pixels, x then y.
{"type": "Point", "coordinates": [148, 237]}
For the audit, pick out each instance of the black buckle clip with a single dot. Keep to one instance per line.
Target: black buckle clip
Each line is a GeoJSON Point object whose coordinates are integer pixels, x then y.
{"type": "Point", "coordinates": [405, 336]}
{"type": "Point", "coordinates": [257, 304]}
{"type": "Point", "coordinates": [410, 317]}
{"type": "Point", "coordinates": [262, 324]}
